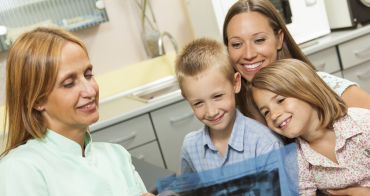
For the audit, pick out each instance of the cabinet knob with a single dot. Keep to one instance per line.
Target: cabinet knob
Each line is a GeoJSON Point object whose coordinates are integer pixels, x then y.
{"type": "Point", "coordinates": [321, 66]}
{"type": "Point", "coordinates": [124, 139]}
{"type": "Point", "coordinates": [181, 118]}
{"type": "Point", "coordinates": [362, 53]}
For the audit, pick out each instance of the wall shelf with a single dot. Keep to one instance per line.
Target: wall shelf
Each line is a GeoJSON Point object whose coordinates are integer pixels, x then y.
{"type": "Point", "coordinates": [18, 16]}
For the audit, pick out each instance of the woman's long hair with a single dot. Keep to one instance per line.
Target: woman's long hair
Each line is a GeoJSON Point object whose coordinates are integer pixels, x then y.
{"type": "Point", "coordinates": [31, 72]}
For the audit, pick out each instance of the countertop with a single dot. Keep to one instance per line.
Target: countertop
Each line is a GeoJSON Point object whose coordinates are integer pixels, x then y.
{"type": "Point", "coordinates": [334, 38]}
{"type": "Point", "coordinates": [123, 108]}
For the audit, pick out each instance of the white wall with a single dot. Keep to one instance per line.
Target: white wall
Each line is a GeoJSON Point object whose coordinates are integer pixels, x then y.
{"type": "Point", "coordinates": [117, 43]}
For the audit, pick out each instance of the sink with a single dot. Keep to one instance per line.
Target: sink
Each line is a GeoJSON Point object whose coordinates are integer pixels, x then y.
{"type": "Point", "coordinates": [164, 88]}
{"type": "Point", "coordinates": [159, 89]}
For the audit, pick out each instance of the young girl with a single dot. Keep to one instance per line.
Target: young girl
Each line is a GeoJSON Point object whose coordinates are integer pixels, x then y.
{"type": "Point", "coordinates": [333, 141]}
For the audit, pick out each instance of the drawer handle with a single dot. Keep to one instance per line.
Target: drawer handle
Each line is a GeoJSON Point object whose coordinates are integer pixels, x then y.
{"type": "Point", "coordinates": [364, 76]}
{"type": "Point", "coordinates": [363, 53]}
{"type": "Point", "coordinates": [321, 66]}
{"type": "Point", "coordinates": [141, 157]}
{"type": "Point", "coordinates": [124, 139]}
{"type": "Point", "coordinates": [181, 118]}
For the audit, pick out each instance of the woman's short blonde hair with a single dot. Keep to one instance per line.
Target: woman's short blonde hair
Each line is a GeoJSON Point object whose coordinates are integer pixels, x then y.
{"type": "Point", "coordinates": [293, 78]}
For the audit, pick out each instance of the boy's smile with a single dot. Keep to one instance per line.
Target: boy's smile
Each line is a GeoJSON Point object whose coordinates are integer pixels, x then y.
{"type": "Point", "coordinates": [217, 119]}
{"type": "Point", "coordinates": [212, 98]}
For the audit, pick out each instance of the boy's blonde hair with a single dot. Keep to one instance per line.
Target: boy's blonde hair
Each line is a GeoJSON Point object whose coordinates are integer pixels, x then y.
{"type": "Point", "coordinates": [294, 78]}
{"type": "Point", "coordinates": [201, 54]}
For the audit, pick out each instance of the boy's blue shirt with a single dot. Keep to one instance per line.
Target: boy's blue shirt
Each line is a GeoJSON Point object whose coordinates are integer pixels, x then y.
{"type": "Point", "coordinates": [248, 139]}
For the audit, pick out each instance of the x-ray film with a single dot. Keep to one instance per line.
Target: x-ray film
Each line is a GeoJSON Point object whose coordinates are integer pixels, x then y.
{"type": "Point", "coordinates": [275, 173]}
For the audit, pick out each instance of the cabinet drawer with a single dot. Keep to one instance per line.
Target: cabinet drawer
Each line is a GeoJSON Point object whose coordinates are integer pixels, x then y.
{"type": "Point", "coordinates": [171, 124]}
{"type": "Point", "coordinates": [355, 51]}
{"type": "Point", "coordinates": [325, 60]}
{"type": "Point", "coordinates": [149, 153]}
{"type": "Point", "coordinates": [129, 134]}
{"type": "Point", "coordinates": [359, 74]}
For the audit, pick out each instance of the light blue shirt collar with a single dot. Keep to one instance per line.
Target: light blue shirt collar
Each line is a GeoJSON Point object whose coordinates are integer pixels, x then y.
{"type": "Point", "coordinates": [236, 140]}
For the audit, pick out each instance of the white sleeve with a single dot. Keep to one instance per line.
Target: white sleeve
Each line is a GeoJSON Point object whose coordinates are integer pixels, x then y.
{"type": "Point", "coordinates": [339, 85]}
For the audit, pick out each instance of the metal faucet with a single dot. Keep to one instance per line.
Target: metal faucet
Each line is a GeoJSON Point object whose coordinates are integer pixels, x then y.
{"type": "Point", "coordinates": [161, 50]}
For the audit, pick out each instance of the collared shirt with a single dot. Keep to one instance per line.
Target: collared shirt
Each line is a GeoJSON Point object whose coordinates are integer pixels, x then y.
{"type": "Point", "coordinates": [248, 139]}
{"type": "Point", "coordinates": [54, 166]}
{"type": "Point", "coordinates": [352, 151]}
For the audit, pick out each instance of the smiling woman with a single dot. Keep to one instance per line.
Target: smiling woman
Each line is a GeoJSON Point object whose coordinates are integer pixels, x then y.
{"type": "Point", "coordinates": [51, 99]}
{"type": "Point", "coordinates": [72, 105]}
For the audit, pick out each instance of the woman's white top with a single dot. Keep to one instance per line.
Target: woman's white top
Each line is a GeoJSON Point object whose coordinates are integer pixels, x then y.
{"type": "Point", "coordinates": [339, 85]}
{"type": "Point", "coordinates": [54, 166]}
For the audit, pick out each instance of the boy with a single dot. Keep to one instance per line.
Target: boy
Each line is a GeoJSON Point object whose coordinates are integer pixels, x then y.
{"type": "Point", "coordinates": [209, 83]}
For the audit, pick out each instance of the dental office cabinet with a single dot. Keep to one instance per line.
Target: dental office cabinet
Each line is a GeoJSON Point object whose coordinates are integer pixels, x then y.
{"type": "Point", "coordinates": [345, 54]}
{"type": "Point", "coordinates": [154, 136]}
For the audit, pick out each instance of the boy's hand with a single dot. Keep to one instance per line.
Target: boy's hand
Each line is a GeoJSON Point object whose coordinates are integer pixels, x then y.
{"type": "Point", "coordinates": [351, 191]}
